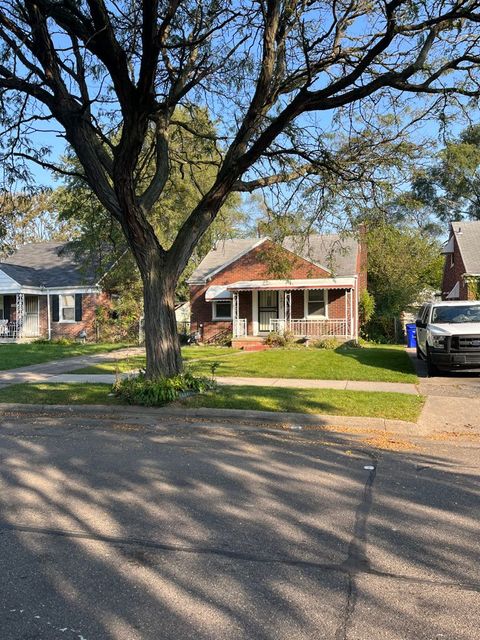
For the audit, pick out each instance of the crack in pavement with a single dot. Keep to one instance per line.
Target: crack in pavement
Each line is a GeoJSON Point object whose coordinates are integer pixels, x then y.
{"type": "Point", "coordinates": [357, 559]}
{"type": "Point", "coordinates": [350, 567]}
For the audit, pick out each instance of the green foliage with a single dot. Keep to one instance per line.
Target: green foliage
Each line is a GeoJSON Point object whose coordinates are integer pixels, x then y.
{"type": "Point", "coordinates": [403, 264]}
{"type": "Point", "coordinates": [366, 304]}
{"type": "Point", "coordinates": [192, 173]}
{"type": "Point", "coordinates": [326, 343]}
{"type": "Point", "coordinates": [30, 217]}
{"type": "Point", "coordinates": [60, 341]}
{"type": "Point", "coordinates": [156, 393]}
{"type": "Point", "coordinates": [276, 339]}
{"type": "Point", "coordinates": [450, 188]}
{"type": "Point", "coordinates": [118, 321]}
{"type": "Point", "coordinates": [473, 283]}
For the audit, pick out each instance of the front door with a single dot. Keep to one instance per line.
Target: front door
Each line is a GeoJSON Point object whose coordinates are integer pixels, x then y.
{"type": "Point", "coordinates": [267, 309]}
{"type": "Point", "coordinates": [30, 325]}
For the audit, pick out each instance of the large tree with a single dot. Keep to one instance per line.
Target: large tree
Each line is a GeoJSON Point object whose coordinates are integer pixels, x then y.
{"type": "Point", "coordinates": [265, 66]}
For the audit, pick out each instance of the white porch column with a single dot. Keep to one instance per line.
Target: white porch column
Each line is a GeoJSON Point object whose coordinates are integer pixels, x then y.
{"type": "Point", "coordinates": [20, 313]}
{"type": "Point", "coordinates": [288, 309]}
{"type": "Point", "coordinates": [235, 313]}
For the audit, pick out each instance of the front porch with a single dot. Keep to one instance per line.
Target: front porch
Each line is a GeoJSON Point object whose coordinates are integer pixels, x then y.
{"type": "Point", "coordinates": [19, 317]}
{"type": "Point", "coordinates": [310, 309]}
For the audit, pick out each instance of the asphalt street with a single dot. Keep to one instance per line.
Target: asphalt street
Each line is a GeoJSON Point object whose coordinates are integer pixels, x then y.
{"type": "Point", "coordinates": [176, 529]}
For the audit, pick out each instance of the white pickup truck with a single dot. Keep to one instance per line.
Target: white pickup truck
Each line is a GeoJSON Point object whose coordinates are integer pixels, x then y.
{"type": "Point", "coordinates": [448, 336]}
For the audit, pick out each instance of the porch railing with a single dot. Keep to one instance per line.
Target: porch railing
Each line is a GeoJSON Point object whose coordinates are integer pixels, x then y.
{"type": "Point", "coordinates": [313, 328]}
{"type": "Point", "coordinates": [239, 327]}
{"type": "Point", "coordinates": [9, 329]}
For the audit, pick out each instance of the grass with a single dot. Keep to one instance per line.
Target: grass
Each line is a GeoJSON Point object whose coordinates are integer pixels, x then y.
{"type": "Point", "coordinates": [400, 406]}
{"type": "Point", "coordinates": [60, 393]}
{"type": "Point", "coordinates": [138, 362]}
{"type": "Point", "coordinates": [328, 401]}
{"type": "Point", "coordinates": [21, 355]}
{"type": "Point", "coordinates": [381, 363]}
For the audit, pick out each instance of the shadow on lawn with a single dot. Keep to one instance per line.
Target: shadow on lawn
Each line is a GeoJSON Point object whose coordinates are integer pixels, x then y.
{"type": "Point", "coordinates": [379, 357]}
{"type": "Point", "coordinates": [166, 533]}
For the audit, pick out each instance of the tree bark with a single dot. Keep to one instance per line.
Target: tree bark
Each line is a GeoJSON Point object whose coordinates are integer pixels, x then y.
{"type": "Point", "coordinates": [161, 338]}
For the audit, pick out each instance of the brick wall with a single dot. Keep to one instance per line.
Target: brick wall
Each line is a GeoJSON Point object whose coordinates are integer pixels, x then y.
{"type": "Point", "coordinates": [453, 273]}
{"type": "Point", "coordinates": [70, 330]}
{"type": "Point", "coordinates": [251, 267]}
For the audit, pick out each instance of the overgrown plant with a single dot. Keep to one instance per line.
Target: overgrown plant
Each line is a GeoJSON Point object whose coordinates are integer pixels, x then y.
{"type": "Point", "coordinates": [160, 391]}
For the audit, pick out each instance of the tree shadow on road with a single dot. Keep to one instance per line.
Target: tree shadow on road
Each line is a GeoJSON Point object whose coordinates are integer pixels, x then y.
{"type": "Point", "coordinates": [177, 531]}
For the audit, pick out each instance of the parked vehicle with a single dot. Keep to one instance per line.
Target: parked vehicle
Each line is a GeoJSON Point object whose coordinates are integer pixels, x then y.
{"type": "Point", "coordinates": [448, 336]}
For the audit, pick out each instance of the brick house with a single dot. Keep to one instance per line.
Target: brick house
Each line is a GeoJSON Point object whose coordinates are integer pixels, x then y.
{"type": "Point", "coordinates": [235, 290]}
{"type": "Point", "coordinates": [45, 292]}
{"type": "Point", "coordinates": [461, 271]}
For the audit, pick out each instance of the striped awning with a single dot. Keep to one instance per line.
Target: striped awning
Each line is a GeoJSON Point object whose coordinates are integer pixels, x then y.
{"type": "Point", "coordinates": [217, 292]}
{"type": "Point", "coordinates": [279, 285]}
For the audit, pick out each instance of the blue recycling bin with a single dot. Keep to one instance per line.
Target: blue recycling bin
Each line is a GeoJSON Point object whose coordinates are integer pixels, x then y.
{"type": "Point", "coordinates": [411, 335]}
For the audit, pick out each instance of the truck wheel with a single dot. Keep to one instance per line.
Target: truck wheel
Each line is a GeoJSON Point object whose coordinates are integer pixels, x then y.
{"type": "Point", "coordinates": [432, 369]}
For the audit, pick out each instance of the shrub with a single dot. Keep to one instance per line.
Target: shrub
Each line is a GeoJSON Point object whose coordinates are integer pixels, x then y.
{"type": "Point", "coordinates": [326, 343]}
{"type": "Point", "coordinates": [161, 391]}
{"type": "Point", "coordinates": [355, 344]}
{"type": "Point", "coordinates": [366, 307]}
{"type": "Point", "coordinates": [61, 341]}
{"type": "Point", "coordinates": [276, 339]}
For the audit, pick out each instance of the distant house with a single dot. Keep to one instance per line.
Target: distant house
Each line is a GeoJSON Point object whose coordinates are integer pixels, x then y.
{"type": "Point", "coordinates": [461, 272]}
{"type": "Point", "coordinates": [233, 289]}
{"type": "Point", "coordinates": [45, 291]}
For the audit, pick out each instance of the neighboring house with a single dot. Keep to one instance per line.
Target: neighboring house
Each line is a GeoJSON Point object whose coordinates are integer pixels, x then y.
{"type": "Point", "coordinates": [461, 272]}
{"type": "Point", "coordinates": [46, 292]}
{"type": "Point", "coordinates": [233, 289]}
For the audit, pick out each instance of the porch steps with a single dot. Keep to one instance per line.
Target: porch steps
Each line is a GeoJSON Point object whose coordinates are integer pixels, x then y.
{"type": "Point", "coordinates": [249, 343]}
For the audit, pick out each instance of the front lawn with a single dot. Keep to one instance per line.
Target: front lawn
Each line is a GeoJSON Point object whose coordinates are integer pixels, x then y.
{"type": "Point", "coordinates": [382, 363]}
{"type": "Point", "coordinates": [327, 401]}
{"type": "Point", "coordinates": [21, 355]}
{"type": "Point", "coordinates": [134, 363]}
{"type": "Point", "coordinates": [373, 404]}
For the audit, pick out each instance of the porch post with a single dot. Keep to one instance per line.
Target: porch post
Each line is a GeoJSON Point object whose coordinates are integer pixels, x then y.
{"type": "Point", "coordinates": [235, 314]}
{"type": "Point", "coordinates": [49, 317]}
{"type": "Point", "coordinates": [20, 313]}
{"type": "Point", "coordinates": [288, 310]}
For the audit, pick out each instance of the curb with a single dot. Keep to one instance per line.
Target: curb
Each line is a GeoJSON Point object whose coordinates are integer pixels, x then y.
{"type": "Point", "coordinates": [271, 417]}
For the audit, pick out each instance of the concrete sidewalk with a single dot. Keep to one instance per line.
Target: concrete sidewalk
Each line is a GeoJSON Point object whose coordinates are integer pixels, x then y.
{"type": "Point", "coordinates": [45, 370]}
{"type": "Point", "coordinates": [292, 383]}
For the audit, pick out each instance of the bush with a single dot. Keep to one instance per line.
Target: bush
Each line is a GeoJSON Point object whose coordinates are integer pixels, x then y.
{"type": "Point", "coordinates": [366, 307]}
{"type": "Point", "coordinates": [61, 341]}
{"type": "Point", "coordinates": [161, 391]}
{"type": "Point", "coordinates": [326, 343]}
{"type": "Point", "coordinates": [276, 339]}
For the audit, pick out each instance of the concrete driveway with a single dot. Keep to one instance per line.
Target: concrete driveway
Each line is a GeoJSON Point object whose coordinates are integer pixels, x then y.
{"type": "Point", "coordinates": [453, 400]}
{"type": "Point", "coordinates": [176, 529]}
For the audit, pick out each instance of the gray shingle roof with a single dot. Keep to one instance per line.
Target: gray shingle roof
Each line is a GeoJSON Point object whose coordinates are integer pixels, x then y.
{"type": "Point", "coordinates": [49, 264]}
{"type": "Point", "coordinates": [467, 235]}
{"type": "Point", "coordinates": [335, 253]}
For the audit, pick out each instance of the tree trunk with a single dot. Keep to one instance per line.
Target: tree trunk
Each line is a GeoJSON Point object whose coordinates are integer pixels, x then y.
{"type": "Point", "coordinates": [161, 338]}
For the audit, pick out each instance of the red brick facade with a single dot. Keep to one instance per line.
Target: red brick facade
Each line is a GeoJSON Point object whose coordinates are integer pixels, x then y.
{"type": "Point", "coordinates": [250, 267]}
{"type": "Point", "coordinates": [70, 330]}
{"type": "Point", "coordinates": [453, 271]}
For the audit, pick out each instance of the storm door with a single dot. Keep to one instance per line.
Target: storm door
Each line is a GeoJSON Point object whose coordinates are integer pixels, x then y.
{"type": "Point", "coordinates": [267, 309]}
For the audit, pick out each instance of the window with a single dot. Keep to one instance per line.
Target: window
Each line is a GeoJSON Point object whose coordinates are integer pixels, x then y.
{"type": "Point", "coordinates": [452, 260]}
{"type": "Point", "coordinates": [2, 316]}
{"type": "Point", "coordinates": [67, 308]}
{"type": "Point", "coordinates": [316, 303]}
{"type": "Point", "coordinates": [222, 310]}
